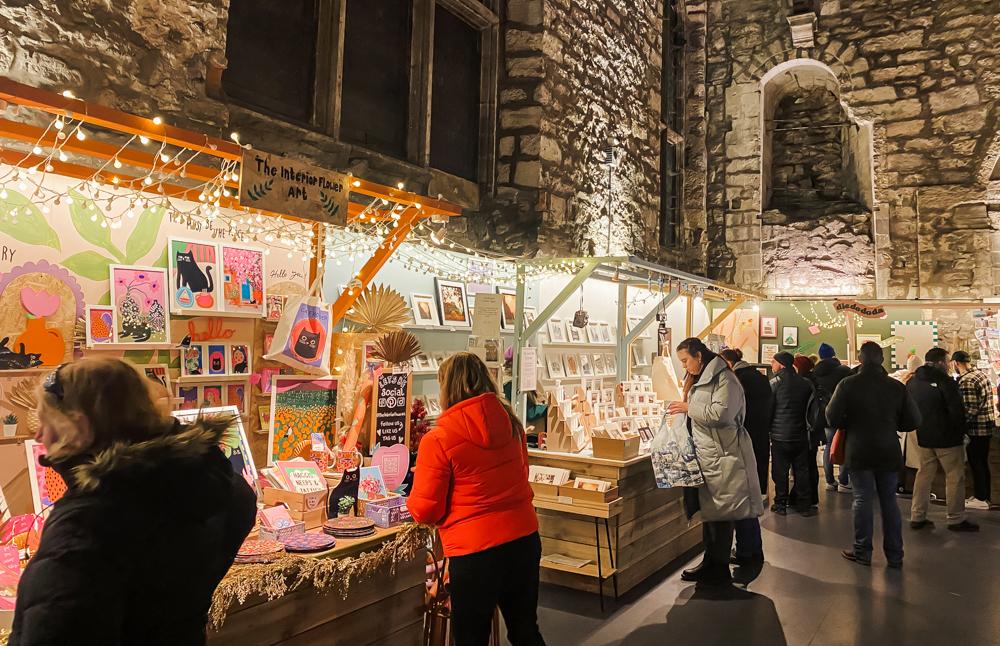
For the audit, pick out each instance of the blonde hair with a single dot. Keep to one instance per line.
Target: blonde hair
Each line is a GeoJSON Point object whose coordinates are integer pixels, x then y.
{"type": "Point", "coordinates": [463, 376]}
{"type": "Point", "coordinates": [112, 395]}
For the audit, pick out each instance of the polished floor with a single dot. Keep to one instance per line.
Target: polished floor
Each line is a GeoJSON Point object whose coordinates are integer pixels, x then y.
{"type": "Point", "coordinates": [948, 593]}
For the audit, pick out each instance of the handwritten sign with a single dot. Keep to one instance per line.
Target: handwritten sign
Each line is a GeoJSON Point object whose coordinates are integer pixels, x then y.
{"type": "Point", "coordinates": [214, 329]}
{"type": "Point", "coordinates": [486, 323]}
{"type": "Point", "coordinates": [283, 185]}
{"type": "Point", "coordinates": [391, 409]}
{"type": "Point", "coordinates": [529, 369]}
{"type": "Point", "coordinates": [867, 311]}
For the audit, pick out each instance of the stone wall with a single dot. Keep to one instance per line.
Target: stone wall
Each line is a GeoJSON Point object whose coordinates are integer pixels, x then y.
{"type": "Point", "coordinates": [926, 75]}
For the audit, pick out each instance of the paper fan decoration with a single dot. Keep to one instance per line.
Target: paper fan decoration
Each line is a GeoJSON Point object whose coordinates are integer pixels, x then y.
{"type": "Point", "coordinates": [379, 309]}
{"type": "Point", "coordinates": [25, 394]}
{"type": "Point", "coordinates": [396, 347]}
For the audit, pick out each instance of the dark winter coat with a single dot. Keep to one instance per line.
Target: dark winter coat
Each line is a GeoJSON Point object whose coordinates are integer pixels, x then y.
{"type": "Point", "coordinates": [759, 398]}
{"type": "Point", "coordinates": [132, 554]}
{"type": "Point", "coordinates": [791, 397]}
{"type": "Point", "coordinates": [871, 407]}
{"type": "Point", "coordinates": [828, 374]}
{"type": "Point", "coordinates": [941, 409]}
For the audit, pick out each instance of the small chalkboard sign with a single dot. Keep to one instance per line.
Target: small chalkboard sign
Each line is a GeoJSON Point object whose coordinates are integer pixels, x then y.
{"type": "Point", "coordinates": [391, 409]}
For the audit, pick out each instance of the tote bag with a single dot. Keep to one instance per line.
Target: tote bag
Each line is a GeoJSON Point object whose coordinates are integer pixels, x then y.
{"type": "Point", "coordinates": [675, 463]}
{"type": "Point", "coordinates": [302, 338]}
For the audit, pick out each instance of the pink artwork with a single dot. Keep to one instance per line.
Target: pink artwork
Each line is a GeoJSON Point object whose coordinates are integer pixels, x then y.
{"type": "Point", "coordinates": [243, 271]}
{"type": "Point", "coordinates": [47, 486]}
{"type": "Point", "coordinates": [139, 296]}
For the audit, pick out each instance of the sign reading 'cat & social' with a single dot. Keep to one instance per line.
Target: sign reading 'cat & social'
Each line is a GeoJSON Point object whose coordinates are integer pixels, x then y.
{"type": "Point", "coordinates": [274, 183]}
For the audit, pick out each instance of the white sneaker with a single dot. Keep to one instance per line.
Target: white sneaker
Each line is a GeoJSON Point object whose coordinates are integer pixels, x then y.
{"type": "Point", "coordinates": [975, 503]}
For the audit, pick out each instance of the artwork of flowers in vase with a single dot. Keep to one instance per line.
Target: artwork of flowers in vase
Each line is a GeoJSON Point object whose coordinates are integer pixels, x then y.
{"type": "Point", "coordinates": [139, 296]}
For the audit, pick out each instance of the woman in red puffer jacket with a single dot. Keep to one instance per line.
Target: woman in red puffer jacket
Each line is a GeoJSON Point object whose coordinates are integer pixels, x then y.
{"type": "Point", "coordinates": [471, 481]}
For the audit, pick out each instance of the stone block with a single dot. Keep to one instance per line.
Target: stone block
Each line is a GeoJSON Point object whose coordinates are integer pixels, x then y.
{"type": "Point", "coordinates": [513, 95]}
{"type": "Point", "coordinates": [528, 174]}
{"type": "Point", "coordinates": [519, 40]}
{"type": "Point", "coordinates": [521, 118]}
{"type": "Point", "coordinates": [899, 110]}
{"type": "Point", "coordinates": [549, 150]}
{"type": "Point", "coordinates": [873, 95]}
{"type": "Point", "coordinates": [954, 99]}
{"type": "Point", "coordinates": [906, 40]}
{"type": "Point", "coordinates": [525, 12]}
{"type": "Point", "coordinates": [530, 145]}
{"type": "Point", "coordinates": [970, 121]}
{"type": "Point", "coordinates": [916, 55]}
{"type": "Point", "coordinates": [506, 148]}
{"type": "Point", "coordinates": [530, 67]}
{"type": "Point", "coordinates": [885, 74]}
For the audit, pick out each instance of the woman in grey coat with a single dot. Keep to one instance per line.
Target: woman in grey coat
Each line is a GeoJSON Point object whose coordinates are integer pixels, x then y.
{"type": "Point", "coordinates": [715, 408]}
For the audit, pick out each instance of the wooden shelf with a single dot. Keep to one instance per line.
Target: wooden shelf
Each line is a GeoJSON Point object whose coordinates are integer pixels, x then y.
{"type": "Point", "coordinates": [210, 379]}
{"type": "Point", "coordinates": [17, 439]}
{"type": "Point", "coordinates": [593, 510]}
{"type": "Point", "coordinates": [133, 346]}
{"type": "Point", "coordinates": [445, 328]}
{"type": "Point", "coordinates": [553, 380]}
{"type": "Point", "coordinates": [589, 570]}
{"type": "Point", "coordinates": [567, 344]}
{"type": "Point", "coordinates": [27, 372]}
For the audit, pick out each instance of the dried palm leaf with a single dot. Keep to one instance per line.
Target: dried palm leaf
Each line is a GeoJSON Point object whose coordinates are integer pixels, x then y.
{"type": "Point", "coordinates": [396, 347]}
{"type": "Point", "coordinates": [25, 394]}
{"type": "Point", "coordinates": [80, 334]}
{"type": "Point", "coordinates": [379, 309]}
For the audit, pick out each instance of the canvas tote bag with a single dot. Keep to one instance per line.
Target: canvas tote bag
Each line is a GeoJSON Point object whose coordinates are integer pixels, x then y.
{"type": "Point", "coordinates": [302, 338]}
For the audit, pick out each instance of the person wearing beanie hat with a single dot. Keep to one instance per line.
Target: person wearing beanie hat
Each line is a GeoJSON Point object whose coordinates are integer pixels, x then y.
{"type": "Point", "coordinates": [980, 425]}
{"type": "Point", "coordinates": [827, 374]}
{"type": "Point", "coordinates": [790, 437]}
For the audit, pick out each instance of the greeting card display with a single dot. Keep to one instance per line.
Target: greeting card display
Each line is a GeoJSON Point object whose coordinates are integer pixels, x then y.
{"type": "Point", "coordinates": [372, 486]}
{"type": "Point", "coordinates": [194, 276]}
{"type": "Point", "coordinates": [302, 476]}
{"type": "Point", "coordinates": [139, 297]}
{"type": "Point", "coordinates": [302, 338]}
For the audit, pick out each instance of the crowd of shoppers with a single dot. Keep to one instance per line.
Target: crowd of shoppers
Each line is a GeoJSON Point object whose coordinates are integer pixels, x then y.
{"type": "Point", "coordinates": [790, 437]}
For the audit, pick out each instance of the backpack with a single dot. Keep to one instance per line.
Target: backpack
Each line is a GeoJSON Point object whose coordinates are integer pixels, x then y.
{"type": "Point", "coordinates": [816, 409]}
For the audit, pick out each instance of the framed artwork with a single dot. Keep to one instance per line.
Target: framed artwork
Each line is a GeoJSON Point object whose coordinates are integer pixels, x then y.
{"type": "Point", "coordinates": [861, 339]}
{"type": "Point", "coordinates": [424, 312]}
{"type": "Point", "coordinates": [47, 486]}
{"type": "Point", "coordinates": [211, 396]}
{"type": "Point", "coordinates": [239, 359]}
{"type": "Point", "coordinates": [193, 361]}
{"type": "Point", "coordinates": [586, 367]}
{"type": "Point", "coordinates": [593, 332]}
{"type": "Point", "coordinates": [557, 333]}
{"type": "Point", "coordinates": [612, 364]}
{"type": "Point", "coordinates": [300, 406]}
{"type": "Point", "coordinates": [216, 359]}
{"type": "Point", "coordinates": [572, 364]}
{"type": "Point", "coordinates": [576, 334]}
{"type": "Point", "coordinates": [158, 372]}
{"type": "Point", "coordinates": [638, 355]}
{"type": "Point", "coordinates": [790, 336]}
{"type": "Point", "coordinates": [236, 395]}
{"type": "Point", "coordinates": [194, 276]}
{"type": "Point", "coordinates": [234, 442]}
{"type": "Point", "coordinates": [139, 298]}
{"type": "Point", "coordinates": [605, 329]}
{"type": "Point", "coordinates": [264, 413]}
{"type": "Point", "coordinates": [275, 306]}
{"type": "Point", "coordinates": [912, 337]}
{"type": "Point", "coordinates": [422, 363]}
{"type": "Point", "coordinates": [529, 316]}
{"type": "Point", "coordinates": [100, 323]}
{"type": "Point", "coordinates": [554, 365]}
{"type": "Point", "coordinates": [189, 397]}
{"type": "Point", "coordinates": [452, 304]}
{"type": "Point", "coordinates": [768, 327]}
{"type": "Point", "coordinates": [767, 352]}
{"type": "Point", "coordinates": [508, 310]}
{"type": "Point", "coordinates": [600, 366]}
{"type": "Point", "coordinates": [243, 280]}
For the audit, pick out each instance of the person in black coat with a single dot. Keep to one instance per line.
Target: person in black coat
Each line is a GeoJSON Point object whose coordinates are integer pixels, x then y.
{"type": "Point", "coordinates": [152, 519]}
{"type": "Point", "coordinates": [760, 405]}
{"type": "Point", "coordinates": [870, 407]}
{"type": "Point", "coordinates": [941, 438]}
{"type": "Point", "coordinates": [827, 375]}
{"type": "Point", "coordinates": [790, 437]}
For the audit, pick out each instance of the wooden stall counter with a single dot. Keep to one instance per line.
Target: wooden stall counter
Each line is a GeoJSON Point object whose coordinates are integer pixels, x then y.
{"type": "Point", "coordinates": [648, 527]}
{"type": "Point", "coordinates": [383, 604]}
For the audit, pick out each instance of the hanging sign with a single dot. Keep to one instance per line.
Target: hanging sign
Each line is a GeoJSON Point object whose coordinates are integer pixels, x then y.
{"type": "Point", "coordinates": [282, 185]}
{"type": "Point", "coordinates": [486, 322]}
{"type": "Point", "coordinates": [529, 369]}
{"type": "Point", "coordinates": [867, 311]}
{"type": "Point", "coordinates": [391, 409]}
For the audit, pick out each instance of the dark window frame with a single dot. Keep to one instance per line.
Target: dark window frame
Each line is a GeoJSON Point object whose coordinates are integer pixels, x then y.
{"type": "Point", "coordinates": [672, 117]}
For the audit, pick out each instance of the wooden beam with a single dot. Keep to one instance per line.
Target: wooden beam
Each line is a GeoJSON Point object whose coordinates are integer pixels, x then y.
{"type": "Point", "coordinates": [721, 317]}
{"type": "Point", "coordinates": [689, 316]}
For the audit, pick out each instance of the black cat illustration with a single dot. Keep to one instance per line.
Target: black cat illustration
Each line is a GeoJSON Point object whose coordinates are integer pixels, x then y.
{"type": "Point", "coordinates": [133, 323]}
{"type": "Point", "coordinates": [10, 360]}
{"type": "Point", "coordinates": [190, 275]}
{"type": "Point", "coordinates": [215, 362]}
{"type": "Point", "coordinates": [307, 345]}
{"type": "Point", "coordinates": [345, 495]}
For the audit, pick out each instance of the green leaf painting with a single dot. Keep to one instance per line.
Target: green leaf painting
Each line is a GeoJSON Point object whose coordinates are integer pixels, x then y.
{"type": "Point", "coordinates": [106, 299]}
{"type": "Point", "coordinates": [89, 264]}
{"type": "Point", "coordinates": [162, 260]}
{"type": "Point", "coordinates": [258, 191]}
{"type": "Point", "coordinates": [143, 236]}
{"type": "Point", "coordinates": [30, 226]}
{"type": "Point", "coordinates": [81, 211]}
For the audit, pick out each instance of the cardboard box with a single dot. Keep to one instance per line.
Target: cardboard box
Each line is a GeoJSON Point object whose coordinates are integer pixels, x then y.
{"type": "Point", "coordinates": [297, 502]}
{"type": "Point", "coordinates": [612, 449]}
{"type": "Point", "coordinates": [283, 533]}
{"type": "Point", "coordinates": [585, 495]}
{"type": "Point", "coordinates": [544, 490]}
{"type": "Point", "coordinates": [392, 500]}
{"type": "Point", "coordinates": [387, 512]}
{"type": "Point", "coordinates": [312, 519]}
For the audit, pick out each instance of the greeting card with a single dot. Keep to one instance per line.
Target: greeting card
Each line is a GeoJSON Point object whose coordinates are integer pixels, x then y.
{"type": "Point", "coordinates": [302, 476]}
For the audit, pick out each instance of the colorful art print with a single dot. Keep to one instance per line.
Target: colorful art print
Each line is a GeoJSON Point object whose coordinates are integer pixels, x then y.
{"type": "Point", "coordinates": [790, 336]}
{"type": "Point", "coordinates": [555, 366]}
{"type": "Point", "coordinates": [372, 486]}
{"type": "Point", "coordinates": [47, 486]}
{"type": "Point", "coordinates": [211, 396]}
{"type": "Point", "coordinates": [234, 442]}
{"type": "Point", "coordinates": [275, 306]}
{"type": "Point", "coordinates": [264, 413]}
{"type": "Point", "coordinates": [308, 338]}
{"type": "Point", "coordinates": [300, 406]}
{"type": "Point", "coordinates": [576, 334]}
{"type": "Point", "coordinates": [452, 303]}
{"type": "Point", "coordinates": [243, 276]}
{"type": "Point", "coordinates": [216, 359]}
{"type": "Point", "coordinates": [769, 327]}
{"type": "Point", "coordinates": [194, 276]}
{"type": "Point", "coordinates": [424, 312]}
{"type": "Point", "coordinates": [239, 359]}
{"type": "Point", "coordinates": [188, 396]}
{"type": "Point", "coordinates": [268, 340]}
{"type": "Point", "coordinates": [572, 364]}
{"type": "Point", "coordinates": [492, 350]}
{"type": "Point", "coordinates": [100, 324]}
{"type": "Point", "coordinates": [158, 372]}
{"type": "Point", "coordinates": [236, 395]}
{"type": "Point", "coordinates": [557, 333]}
{"type": "Point", "coordinates": [139, 295]}
{"type": "Point", "coordinates": [508, 308]}
{"type": "Point", "coordinates": [586, 369]}
{"type": "Point", "coordinates": [193, 360]}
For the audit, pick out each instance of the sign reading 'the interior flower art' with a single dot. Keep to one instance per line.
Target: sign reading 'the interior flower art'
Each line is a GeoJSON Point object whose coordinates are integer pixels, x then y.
{"type": "Point", "coordinates": [281, 185]}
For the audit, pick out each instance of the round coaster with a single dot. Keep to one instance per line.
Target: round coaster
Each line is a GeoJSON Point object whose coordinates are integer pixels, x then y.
{"type": "Point", "coordinates": [309, 542]}
{"type": "Point", "coordinates": [349, 524]}
{"type": "Point", "coordinates": [253, 548]}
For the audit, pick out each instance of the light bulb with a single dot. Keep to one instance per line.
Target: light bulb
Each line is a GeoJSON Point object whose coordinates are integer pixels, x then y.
{"type": "Point", "coordinates": [37, 150]}
{"type": "Point", "coordinates": [143, 140]}
{"type": "Point", "coordinates": [157, 120]}
{"type": "Point", "coordinates": [80, 134]}
{"type": "Point", "coordinates": [62, 156]}
{"type": "Point", "coordinates": [117, 163]}
{"type": "Point", "coordinates": [58, 125]}
{"type": "Point", "coordinates": [164, 157]}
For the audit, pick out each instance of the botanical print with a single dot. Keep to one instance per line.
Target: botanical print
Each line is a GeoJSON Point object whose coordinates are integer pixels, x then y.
{"type": "Point", "coordinates": [239, 359]}
{"type": "Point", "coordinates": [216, 359]}
{"type": "Point", "coordinates": [372, 485]}
{"type": "Point", "coordinates": [194, 274]}
{"type": "Point", "coordinates": [299, 407]}
{"type": "Point", "coordinates": [139, 295]}
{"type": "Point", "coordinates": [451, 298]}
{"type": "Point", "coordinates": [100, 323]}
{"type": "Point", "coordinates": [47, 486]}
{"type": "Point", "coordinates": [243, 271]}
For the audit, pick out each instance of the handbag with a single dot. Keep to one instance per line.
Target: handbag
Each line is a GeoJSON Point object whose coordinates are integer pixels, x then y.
{"type": "Point", "coordinates": [673, 455]}
{"type": "Point", "coordinates": [838, 447]}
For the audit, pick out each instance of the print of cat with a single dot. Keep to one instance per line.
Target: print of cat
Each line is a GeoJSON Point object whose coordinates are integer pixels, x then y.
{"type": "Point", "coordinates": [190, 275]}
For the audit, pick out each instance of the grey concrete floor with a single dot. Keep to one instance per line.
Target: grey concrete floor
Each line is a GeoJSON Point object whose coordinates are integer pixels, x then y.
{"type": "Point", "coordinates": [948, 593]}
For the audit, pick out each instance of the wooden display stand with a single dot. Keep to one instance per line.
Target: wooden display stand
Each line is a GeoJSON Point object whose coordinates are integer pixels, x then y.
{"type": "Point", "coordinates": [649, 531]}
{"type": "Point", "coordinates": [558, 436]}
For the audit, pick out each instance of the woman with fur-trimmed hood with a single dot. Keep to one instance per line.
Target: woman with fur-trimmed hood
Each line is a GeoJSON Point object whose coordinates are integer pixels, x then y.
{"type": "Point", "coordinates": [152, 519]}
